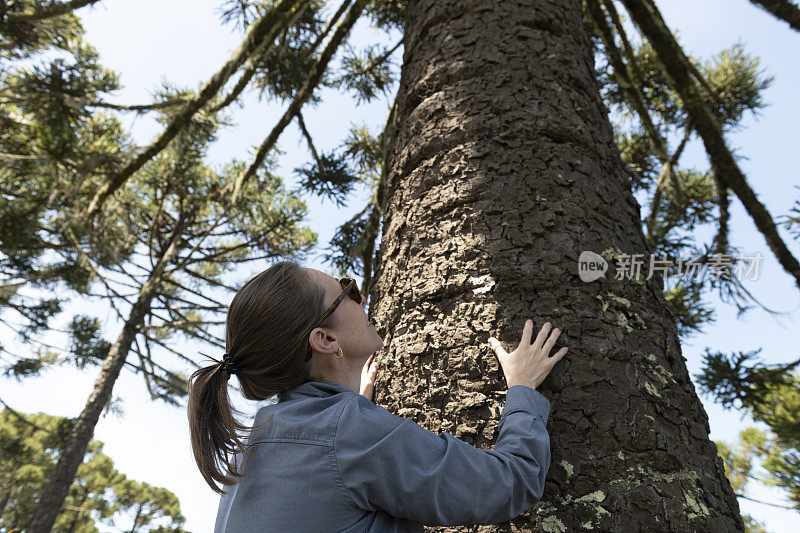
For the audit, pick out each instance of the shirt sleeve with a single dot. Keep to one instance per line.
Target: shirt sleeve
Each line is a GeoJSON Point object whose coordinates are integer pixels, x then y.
{"type": "Point", "coordinates": [390, 463]}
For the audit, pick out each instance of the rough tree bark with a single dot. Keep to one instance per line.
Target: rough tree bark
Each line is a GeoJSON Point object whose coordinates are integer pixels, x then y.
{"type": "Point", "coordinates": [501, 170]}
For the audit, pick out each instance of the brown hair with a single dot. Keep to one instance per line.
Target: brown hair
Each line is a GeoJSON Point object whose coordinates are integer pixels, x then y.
{"type": "Point", "coordinates": [267, 328]}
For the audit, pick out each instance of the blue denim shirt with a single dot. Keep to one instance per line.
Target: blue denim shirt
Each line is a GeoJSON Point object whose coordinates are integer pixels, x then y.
{"type": "Point", "coordinates": [331, 460]}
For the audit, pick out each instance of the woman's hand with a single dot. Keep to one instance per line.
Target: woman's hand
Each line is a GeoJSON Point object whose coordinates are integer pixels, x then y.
{"type": "Point", "coordinates": [530, 363]}
{"type": "Point", "coordinates": [368, 377]}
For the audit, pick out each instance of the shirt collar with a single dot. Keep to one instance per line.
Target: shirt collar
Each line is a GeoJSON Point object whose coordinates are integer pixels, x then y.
{"type": "Point", "coordinates": [319, 389]}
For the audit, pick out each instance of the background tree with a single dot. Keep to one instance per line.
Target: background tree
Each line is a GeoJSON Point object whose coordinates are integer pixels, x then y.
{"type": "Point", "coordinates": [50, 142]}
{"type": "Point", "coordinates": [147, 504]}
{"type": "Point", "coordinates": [250, 204]}
{"type": "Point", "coordinates": [181, 238]}
{"type": "Point", "coordinates": [770, 395]}
{"type": "Point", "coordinates": [739, 466]}
{"type": "Point", "coordinates": [100, 494]}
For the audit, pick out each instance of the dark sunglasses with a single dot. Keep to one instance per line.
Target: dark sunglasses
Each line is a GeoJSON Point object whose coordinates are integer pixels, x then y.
{"type": "Point", "coordinates": [349, 288]}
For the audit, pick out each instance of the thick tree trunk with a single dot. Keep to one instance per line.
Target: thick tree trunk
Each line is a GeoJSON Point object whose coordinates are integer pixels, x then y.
{"type": "Point", "coordinates": [71, 457]}
{"type": "Point", "coordinates": [501, 170]}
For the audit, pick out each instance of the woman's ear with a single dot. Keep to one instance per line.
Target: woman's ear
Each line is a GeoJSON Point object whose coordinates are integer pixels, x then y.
{"type": "Point", "coordinates": [323, 341]}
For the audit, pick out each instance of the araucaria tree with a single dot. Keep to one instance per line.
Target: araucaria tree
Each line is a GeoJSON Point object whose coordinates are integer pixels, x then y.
{"type": "Point", "coordinates": [502, 169]}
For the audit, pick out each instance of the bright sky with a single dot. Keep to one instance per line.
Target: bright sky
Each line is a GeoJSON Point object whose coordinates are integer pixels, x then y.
{"type": "Point", "coordinates": [184, 42]}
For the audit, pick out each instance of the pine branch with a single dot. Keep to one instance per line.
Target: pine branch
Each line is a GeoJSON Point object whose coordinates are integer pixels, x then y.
{"type": "Point", "coordinates": [638, 75]}
{"type": "Point", "coordinates": [170, 349]}
{"type": "Point", "coordinates": [259, 39]}
{"type": "Point", "coordinates": [647, 17]}
{"type": "Point", "coordinates": [61, 350]}
{"type": "Point", "coordinates": [154, 224]}
{"type": "Point", "coordinates": [309, 140]}
{"type": "Point", "coordinates": [49, 12]}
{"type": "Point", "coordinates": [734, 287]}
{"type": "Point", "coordinates": [213, 282]}
{"type": "Point", "coordinates": [200, 334]}
{"type": "Point", "coordinates": [175, 353]}
{"type": "Point", "coordinates": [250, 70]}
{"type": "Point", "coordinates": [633, 80]}
{"type": "Point", "coordinates": [764, 377]}
{"type": "Point", "coordinates": [188, 257]}
{"type": "Point", "coordinates": [85, 262]}
{"type": "Point", "coordinates": [385, 56]}
{"type": "Point", "coordinates": [721, 238]}
{"type": "Point", "coordinates": [145, 359]}
{"type": "Point", "coordinates": [151, 372]}
{"type": "Point", "coordinates": [210, 257]}
{"type": "Point", "coordinates": [781, 506]}
{"type": "Point", "coordinates": [625, 79]}
{"type": "Point", "coordinates": [192, 291]}
{"type": "Point", "coordinates": [148, 374]}
{"type": "Point", "coordinates": [374, 222]}
{"type": "Point", "coordinates": [79, 103]}
{"type": "Point", "coordinates": [783, 10]}
{"type": "Point", "coordinates": [667, 168]}
{"type": "Point", "coordinates": [22, 418]}
{"type": "Point", "coordinates": [123, 270]}
{"type": "Point", "coordinates": [145, 373]}
{"type": "Point", "coordinates": [139, 107]}
{"type": "Point", "coordinates": [174, 324]}
{"type": "Point", "coordinates": [241, 83]}
{"type": "Point", "coordinates": [328, 27]}
{"type": "Point", "coordinates": [314, 77]}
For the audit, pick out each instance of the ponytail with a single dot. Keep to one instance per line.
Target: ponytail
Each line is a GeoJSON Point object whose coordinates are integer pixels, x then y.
{"type": "Point", "coordinates": [266, 335]}
{"type": "Point", "coordinates": [213, 427]}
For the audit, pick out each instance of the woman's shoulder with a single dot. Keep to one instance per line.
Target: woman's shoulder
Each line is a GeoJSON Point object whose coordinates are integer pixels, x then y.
{"type": "Point", "coordinates": [309, 419]}
{"type": "Point", "coordinates": [360, 417]}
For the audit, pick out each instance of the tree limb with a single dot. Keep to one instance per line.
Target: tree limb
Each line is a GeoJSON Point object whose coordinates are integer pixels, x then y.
{"type": "Point", "coordinates": [49, 12]}
{"type": "Point", "coordinates": [765, 503]}
{"type": "Point", "coordinates": [309, 140]}
{"type": "Point", "coordinates": [314, 77]}
{"type": "Point", "coordinates": [635, 79]}
{"type": "Point", "coordinates": [648, 19]}
{"type": "Point", "coordinates": [783, 10]}
{"type": "Point", "coordinates": [260, 38]}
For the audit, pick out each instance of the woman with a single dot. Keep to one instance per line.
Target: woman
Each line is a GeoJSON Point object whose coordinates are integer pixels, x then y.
{"type": "Point", "coordinates": [324, 457]}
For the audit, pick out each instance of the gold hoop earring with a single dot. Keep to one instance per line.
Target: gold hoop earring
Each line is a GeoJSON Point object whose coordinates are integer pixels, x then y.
{"type": "Point", "coordinates": [341, 352]}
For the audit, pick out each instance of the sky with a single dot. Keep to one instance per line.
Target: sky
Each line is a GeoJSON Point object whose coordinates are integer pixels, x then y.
{"type": "Point", "coordinates": [185, 41]}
